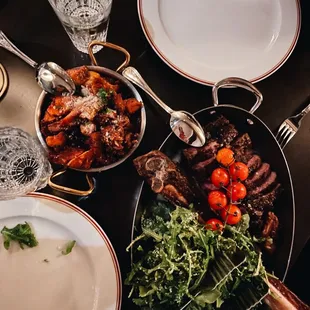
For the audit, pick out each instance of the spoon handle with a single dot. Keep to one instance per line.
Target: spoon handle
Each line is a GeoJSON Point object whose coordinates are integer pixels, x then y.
{"type": "Point", "coordinates": [8, 45]}
{"type": "Point", "coordinates": [135, 77]}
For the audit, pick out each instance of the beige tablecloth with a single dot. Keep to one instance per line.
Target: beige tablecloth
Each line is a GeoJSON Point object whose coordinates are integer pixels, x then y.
{"type": "Point", "coordinates": [18, 106]}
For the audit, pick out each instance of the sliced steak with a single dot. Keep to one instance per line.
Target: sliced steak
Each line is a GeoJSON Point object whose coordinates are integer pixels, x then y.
{"type": "Point", "coordinates": [243, 155]}
{"type": "Point", "coordinates": [190, 153]}
{"type": "Point", "coordinates": [242, 142]}
{"type": "Point", "coordinates": [267, 183]}
{"type": "Point", "coordinates": [164, 177]}
{"type": "Point", "coordinates": [258, 176]}
{"type": "Point", "coordinates": [213, 127]}
{"type": "Point", "coordinates": [254, 163]}
{"type": "Point", "coordinates": [208, 186]}
{"type": "Point", "coordinates": [204, 168]}
{"type": "Point", "coordinates": [265, 201]}
{"type": "Point", "coordinates": [227, 134]}
{"type": "Point", "coordinates": [195, 155]}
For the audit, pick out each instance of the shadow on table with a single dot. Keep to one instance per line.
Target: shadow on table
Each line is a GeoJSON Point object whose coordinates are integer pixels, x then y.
{"type": "Point", "coordinates": [299, 274]}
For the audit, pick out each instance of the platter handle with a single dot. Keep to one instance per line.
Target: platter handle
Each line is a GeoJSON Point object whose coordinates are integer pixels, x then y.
{"type": "Point", "coordinates": [112, 46]}
{"type": "Point", "coordinates": [69, 190]}
{"type": "Point", "coordinates": [237, 82]}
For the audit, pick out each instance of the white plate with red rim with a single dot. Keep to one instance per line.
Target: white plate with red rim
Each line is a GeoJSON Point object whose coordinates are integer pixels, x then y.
{"type": "Point", "coordinates": [208, 40]}
{"type": "Point", "coordinates": [42, 277]}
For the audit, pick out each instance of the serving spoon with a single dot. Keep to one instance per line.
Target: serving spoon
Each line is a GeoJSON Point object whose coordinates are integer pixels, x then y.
{"type": "Point", "coordinates": [51, 77]}
{"type": "Point", "coordinates": [183, 124]}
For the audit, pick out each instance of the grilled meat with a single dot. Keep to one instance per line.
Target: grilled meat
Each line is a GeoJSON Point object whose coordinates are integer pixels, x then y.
{"type": "Point", "coordinates": [164, 177]}
{"type": "Point", "coordinates": [267, 183]}
{"type": "Point", "coordinates": [262, 186]}
{"type": "Point", "coordinates": [270, 231]}
{"type": "Point", "coordinates": [204, 168]}
{"type": "Point", "coordinates": [196, 155]}
{"type": "Point", "coordinates": [254, 163]}
{"type": "Point", "coordinates": [208, 186]}
{"type": "Point", "coordinates": [213, 127]}
{"type": "Point", "coordinates": [243, 155]}
{"type": "Point", "coordinates": [242, 143]}
{"type": "Point", "coordinates": [227, 134]}
{"type": "Point", "coordinates": [258, 176]}
{"type": "Point", "coordinates": [266, 200]}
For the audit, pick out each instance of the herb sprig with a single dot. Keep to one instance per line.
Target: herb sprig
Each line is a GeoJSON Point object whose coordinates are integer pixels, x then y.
{"type": "Point", "coordinates": [21, 233]}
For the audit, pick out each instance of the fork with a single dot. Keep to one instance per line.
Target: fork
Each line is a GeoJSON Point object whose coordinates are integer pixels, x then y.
{"type": "Point", "coordinates": [290, 126]}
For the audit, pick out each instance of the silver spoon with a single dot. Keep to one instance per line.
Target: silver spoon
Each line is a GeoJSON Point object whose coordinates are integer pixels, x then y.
{"type": "Point", "coordinates": [51, 77]}
{"type": "Point", "coordinates": [183, 124]}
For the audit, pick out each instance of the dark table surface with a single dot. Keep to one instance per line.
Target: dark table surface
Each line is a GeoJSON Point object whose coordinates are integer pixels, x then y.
{"type": "Point", "coordinates": [36, 30]}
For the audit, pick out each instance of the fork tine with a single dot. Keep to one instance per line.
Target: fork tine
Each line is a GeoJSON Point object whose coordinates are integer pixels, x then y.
{"type": "Point", "coordinates": [285, 135]}
{"type": "Point", "coordinates": [289, 138]}
{"type": "Point", "coordinates": [282, 133]}
{"type": "Point", "coordinates": [282, 126]}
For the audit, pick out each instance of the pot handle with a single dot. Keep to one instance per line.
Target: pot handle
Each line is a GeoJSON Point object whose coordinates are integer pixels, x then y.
{"type": "Point", "coordinates": [237, 82]}
{"type": "Point", "coordinates": [69, 190]}
{"type": "Point", "coordinates": [110, 45]}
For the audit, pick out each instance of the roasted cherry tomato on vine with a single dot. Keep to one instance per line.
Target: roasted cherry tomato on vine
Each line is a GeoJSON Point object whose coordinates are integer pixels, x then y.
{"type": "Point", "coordinates": [225, 157]}
{"type": "Point", "coordinates": [217, 200]}
{"type": "Point", "coordinates": [239, 171]}
{"type": "Point", "coordinates": [220, 177]}
{"type": "Point", "coordinates": [236, 191]}
{"type": "Point", "coordinates": [232, 213]}
{"type": "Point", "coordinates": [214, 224]}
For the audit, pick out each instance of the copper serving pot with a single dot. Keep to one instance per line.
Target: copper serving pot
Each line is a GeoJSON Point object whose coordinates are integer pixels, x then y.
{"type": "Point", "coordinates": [41, 106]}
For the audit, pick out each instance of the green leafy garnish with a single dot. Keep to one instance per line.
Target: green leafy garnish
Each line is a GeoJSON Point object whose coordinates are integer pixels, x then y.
{"type": "Point", "coordinates": [21, 233]}
{"type": "Point", "coordinates": [175, 257]}
{"type": "Point", "coordinates": [104, 96]}
{"type": "Point", "coordinates": [69, 247]}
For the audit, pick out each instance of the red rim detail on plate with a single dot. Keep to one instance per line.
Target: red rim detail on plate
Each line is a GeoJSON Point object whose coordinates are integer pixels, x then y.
{"type": "Point", "coordinates": [99, 230]}
{"type": "Point", "coordinates": [205, 82]}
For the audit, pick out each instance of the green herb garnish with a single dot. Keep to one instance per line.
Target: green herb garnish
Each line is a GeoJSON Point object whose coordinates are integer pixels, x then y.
{"type": "Point", "coordinates": [21, 233]}
{"type": "Point", "coordinates": [104, 95]}
{"type": "Point", "coordinates": [69, 247]}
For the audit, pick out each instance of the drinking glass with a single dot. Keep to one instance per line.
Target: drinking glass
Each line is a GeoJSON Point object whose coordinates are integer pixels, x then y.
{"type": "Point", "coordinates": [84, 20]}
{"type": "Point", "coordinates": [24, 166]}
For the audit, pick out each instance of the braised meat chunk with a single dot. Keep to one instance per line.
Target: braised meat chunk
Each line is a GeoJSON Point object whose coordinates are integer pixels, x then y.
{"type": "Point", "coordinates": [79, 75]}
{"type": "Point", "coordinates": [164, 177]}
{"type": "Point", "coordinates": [56, 141]}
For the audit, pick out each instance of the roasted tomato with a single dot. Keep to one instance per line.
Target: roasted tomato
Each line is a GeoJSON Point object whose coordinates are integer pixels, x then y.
{"type": "Point", "coordinates": [239, 171]}
{"type": "Point", "coordinates": [225, 157]}
{"type": "Point", "coordinates": [236, 191]}
{"type": "Point", "coordinates": [214, 224]}
{"type": "Point", "coordinates": [220, 177]}
{"type": "Point", "coordinates": [232, 213]}
{"type": "Point", "coordinates": [217, 200]}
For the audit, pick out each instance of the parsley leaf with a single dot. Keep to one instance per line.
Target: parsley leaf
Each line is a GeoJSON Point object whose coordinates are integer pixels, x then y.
{"type": "Point", "coordinates": [21, 233]}
{"type": "Point", "coordinates": [69, 247]}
